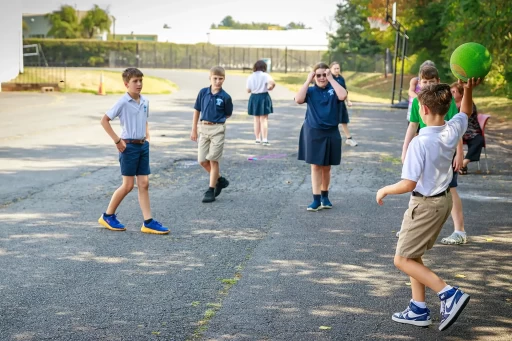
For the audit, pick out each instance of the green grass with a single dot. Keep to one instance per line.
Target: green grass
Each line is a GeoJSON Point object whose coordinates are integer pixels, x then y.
{"type": "Point", "coordinates": [374, 88]}
{"type": "Point", "coordinates": [88, 81]}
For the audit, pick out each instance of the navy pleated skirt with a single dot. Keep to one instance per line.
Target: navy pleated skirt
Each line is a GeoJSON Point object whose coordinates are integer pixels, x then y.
{"type": "Point", "coordinates": [260, 104]}
{"type": "Point", "coordinates": [320, 146]}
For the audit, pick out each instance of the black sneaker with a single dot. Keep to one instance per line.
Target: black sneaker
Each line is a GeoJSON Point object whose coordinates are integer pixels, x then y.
{"type": "Point", "coordinates": [221, 183]}
{"type": "Point", "coordinates": [209, 196]}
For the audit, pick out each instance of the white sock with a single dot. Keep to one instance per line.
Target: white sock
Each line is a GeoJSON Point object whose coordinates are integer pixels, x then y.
{"type": "Point", "coordinates": [265, 140]}
{"type": "Point", "coordinates": [462, 233]}
{"type": "Point", "coordinates": [258, 140]}
{"type": "Point", "coordinates": [421, 305]}
{"type": "Point", "coordinates": [446, 288]}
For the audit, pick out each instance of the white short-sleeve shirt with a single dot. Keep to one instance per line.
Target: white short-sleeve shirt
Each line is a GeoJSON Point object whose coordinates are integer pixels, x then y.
{"type": "Point", "coordinates": [429, 156]}
{"type": "Point", "coordinates": [258, 82]}
{"type": "Point", "coordinates": [132, 115]}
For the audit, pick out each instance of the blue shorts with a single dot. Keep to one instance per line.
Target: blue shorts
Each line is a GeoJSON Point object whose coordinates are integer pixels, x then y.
{"type": "Point", "coordinates": [135, 159]}
{"type": "Point", "coordinates": [453, 184]}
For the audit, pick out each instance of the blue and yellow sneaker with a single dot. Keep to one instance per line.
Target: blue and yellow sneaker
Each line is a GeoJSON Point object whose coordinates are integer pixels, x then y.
{"type": "Point", "coordinates": [453, 302]}
{"type": "Point", "coordinates": [154, 227]}
{"type": "Point", "coordinates": [111, 222]}
{"type": "Point", "coordinates": [413, 315]}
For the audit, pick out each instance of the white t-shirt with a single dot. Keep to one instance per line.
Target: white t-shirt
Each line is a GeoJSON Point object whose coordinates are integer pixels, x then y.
{"type": "Point", "coordinates": [429, 156]}
{"type": "Point", "coordinates": [258, 82]}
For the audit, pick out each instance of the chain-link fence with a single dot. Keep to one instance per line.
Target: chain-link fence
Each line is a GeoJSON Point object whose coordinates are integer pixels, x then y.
{"type": "Point", "coordinates": [199, 56]}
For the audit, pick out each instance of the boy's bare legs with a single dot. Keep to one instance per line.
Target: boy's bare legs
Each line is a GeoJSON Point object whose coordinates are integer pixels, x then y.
{"type": "Point", "coordinates": [421, 274]}
{"type": "Point", "coordinates": [326, 178]}
{"type": "Point", "coordinates": [143, 186]}
{"type": "Point", "coordinates": [120, 193]}
{"type": "Point", "coordinates": [214, 173]}
{"type": "Point", "coordinates": [457, 214]}
{"type": "Point", "coordinates": [264, 126]}
{"type": "Point", "coordinates": [316, 178]}
{"type": "Point", "coordinates": [257, 128]}
{"type": "Point", "coordinates": [212, 167]}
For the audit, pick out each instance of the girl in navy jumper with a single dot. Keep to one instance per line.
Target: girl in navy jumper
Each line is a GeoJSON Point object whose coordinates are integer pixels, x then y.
{"type": "Point", "coordinates": [320, 139]}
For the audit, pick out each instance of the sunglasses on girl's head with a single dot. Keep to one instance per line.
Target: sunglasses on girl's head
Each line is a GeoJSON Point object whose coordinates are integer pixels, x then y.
{"type": "Point", "coordinates": [318, 75]}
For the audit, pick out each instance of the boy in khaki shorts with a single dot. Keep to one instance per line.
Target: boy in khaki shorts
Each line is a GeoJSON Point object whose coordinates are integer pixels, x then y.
{"type": "Point", "coordinates": [427, 172]}
{"type": "Point", "coordinates": [213, 106]}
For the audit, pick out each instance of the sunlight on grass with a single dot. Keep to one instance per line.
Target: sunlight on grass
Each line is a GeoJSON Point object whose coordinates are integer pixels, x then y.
{"type": "Point", "coordinates": [83, 80]}
{"type": "Point", "coordinates": [374, 88]}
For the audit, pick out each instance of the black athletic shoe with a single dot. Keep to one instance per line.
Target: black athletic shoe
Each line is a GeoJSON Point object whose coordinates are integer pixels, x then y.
{"type": "Point", "coordinates": [221, 183]}
{"type": "Point", "coordinates": [209, 196]}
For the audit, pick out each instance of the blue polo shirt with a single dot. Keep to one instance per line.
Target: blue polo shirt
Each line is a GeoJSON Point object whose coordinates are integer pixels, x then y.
{"type": "Point", "coordinates": [132, 115]}
{"type": "Point", "coordinates": [214, 107]}
{"type": "Point", "coordinates": [341, 81]}
{"type": "Point", "coordinates": [323, 107]}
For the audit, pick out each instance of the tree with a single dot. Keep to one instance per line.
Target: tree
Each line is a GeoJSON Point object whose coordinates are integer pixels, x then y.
{"type": "Point", "coordinates": [96, 21]}
{"type": "Point", "coordinates": [296, 26]}
{"type": "Point", "coordinates": [353, 34]}
{"type": "Point", "coordinates": [64, 23]}
{"type": "Point", "coordinates": [228, 23]}
{"type": "Point", "coordinates": [24, 26]}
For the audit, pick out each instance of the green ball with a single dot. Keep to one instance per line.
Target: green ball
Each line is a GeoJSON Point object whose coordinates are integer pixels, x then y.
{"type": "Point", "coordinates": [470, 60]}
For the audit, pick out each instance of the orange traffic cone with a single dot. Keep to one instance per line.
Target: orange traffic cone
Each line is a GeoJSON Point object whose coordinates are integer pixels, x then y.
{"type": "Point", "coordinates": [101, 90]}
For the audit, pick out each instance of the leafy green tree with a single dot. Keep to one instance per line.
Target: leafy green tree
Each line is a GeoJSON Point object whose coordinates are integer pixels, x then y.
{"type": "Point", "coordinates": [354, 34]}
{"type": "Point", "coordinates": [296, 26]}
{"type": "Point", "coordinates": [95, 21]}
{"type": "Point", "coordinates": [64, 23]}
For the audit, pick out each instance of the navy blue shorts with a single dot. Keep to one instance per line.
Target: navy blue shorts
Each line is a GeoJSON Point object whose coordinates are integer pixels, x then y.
{"type": "Point", "coordinates": [343, 113]}
{"type": "Point", "coordinates": [453, 184]}
{"type": "Point", "coordinates": [135, 159]}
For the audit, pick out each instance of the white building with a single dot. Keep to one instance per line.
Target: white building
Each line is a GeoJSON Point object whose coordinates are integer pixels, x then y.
{"type": "Point", "coordinates": [309, 39]}
{"type": "Point", "coordinates": [11, 40]}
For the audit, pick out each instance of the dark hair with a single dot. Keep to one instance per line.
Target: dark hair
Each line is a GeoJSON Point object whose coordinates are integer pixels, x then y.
{"type": "Point", "coordinates": [429, 72]}
{"type": "Point", "coordinates": [458, 86]}
{"type": "Point", "coordinates": [260, 65]}
{"type": "Point", "coordinates": [218, 71]}
{"type": "Point", "coordinates": [437, 97]}
{"type": "Point", "coordinates": [130, 73]}
{"type": "Point", "coordinates": [320, 65]}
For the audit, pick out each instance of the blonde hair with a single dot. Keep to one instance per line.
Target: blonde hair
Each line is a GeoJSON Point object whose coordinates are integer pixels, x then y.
{"type": "Point", "coordinates": [218, 71]}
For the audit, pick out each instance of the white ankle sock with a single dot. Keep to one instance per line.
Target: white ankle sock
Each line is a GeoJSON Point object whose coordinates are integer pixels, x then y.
{"type": "Point", "coordinates": [258, 140]}
{"type": "Point", "coordinates": [462, 233]}
{"type": "Point", "coordinates": [422, 305]}
{"type": "Point", "coordinates": [265, 140]}
{"type": "Point", "coordinates": [446, 288]}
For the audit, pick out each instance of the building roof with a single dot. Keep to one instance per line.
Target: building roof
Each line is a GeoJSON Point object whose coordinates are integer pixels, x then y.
{"type": "Point", "coordinates": [307, 39]}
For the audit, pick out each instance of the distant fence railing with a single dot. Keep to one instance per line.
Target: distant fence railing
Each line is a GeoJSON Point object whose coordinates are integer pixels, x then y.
{"type": "Point", "coordinates": [36, 77]}
{"type": "Point", "coordinates": [199, 56]}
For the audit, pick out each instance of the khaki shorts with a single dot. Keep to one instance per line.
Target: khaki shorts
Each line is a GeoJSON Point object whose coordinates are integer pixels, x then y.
{"type": "Point", "coordinates": [422, 224]}
{"type": "Point", "coordinates": [211, 142]}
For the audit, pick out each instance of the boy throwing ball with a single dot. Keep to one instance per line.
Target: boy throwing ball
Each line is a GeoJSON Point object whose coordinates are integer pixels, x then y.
{"type": "Point", "coordinates": [427, 172]}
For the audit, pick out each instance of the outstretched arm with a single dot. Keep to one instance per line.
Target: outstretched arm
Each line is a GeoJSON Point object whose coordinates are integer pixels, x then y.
{"type": "Point", "coordinates": [466, 106]}
{"type": "Point", "coordinates": [401, 187]}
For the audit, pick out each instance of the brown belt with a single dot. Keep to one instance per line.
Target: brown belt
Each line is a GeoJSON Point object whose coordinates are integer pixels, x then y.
{"type": "Point", "coordinates": [211, 123]}
{"type": "Point", "coordinates": [135, 141]}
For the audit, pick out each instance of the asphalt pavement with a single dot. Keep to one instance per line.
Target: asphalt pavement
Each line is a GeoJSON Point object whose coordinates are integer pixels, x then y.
{"type": "Point", "coordinates": [253, 265]}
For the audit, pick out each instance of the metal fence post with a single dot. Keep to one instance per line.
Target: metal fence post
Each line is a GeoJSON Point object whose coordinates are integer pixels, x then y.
{"type": "Point", "coordinates": [286, 59]}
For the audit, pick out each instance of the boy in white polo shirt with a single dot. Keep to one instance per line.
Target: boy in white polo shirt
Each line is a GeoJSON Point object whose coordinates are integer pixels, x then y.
{"type": "Point", "coordinates": [133, 146]}
{"type": "Point", "coordinates": [427, 172]}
